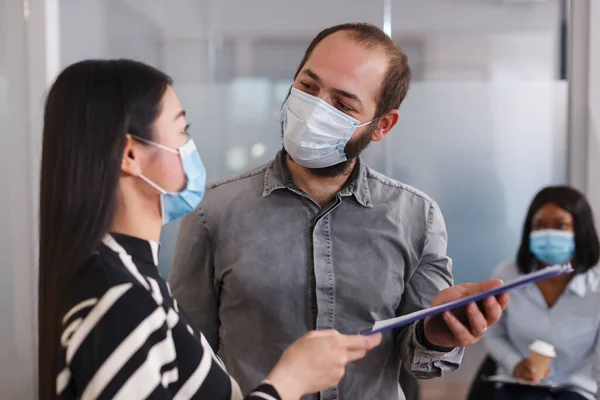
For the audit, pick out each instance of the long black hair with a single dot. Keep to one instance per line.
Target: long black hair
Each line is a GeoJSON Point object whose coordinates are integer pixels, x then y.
{"type": "Point", "coordinates": [90, 108]}
{"type": "Point", "coordinates": [587, 246]}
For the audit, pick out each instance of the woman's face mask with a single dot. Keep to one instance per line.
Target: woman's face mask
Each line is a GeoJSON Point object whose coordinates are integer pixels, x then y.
{"type": "Point", "coordinates": [552, 246]}
{"type": "Point", "coordinates": [177, 205]}
{"type": "Point", "coordinates": [552, 240]}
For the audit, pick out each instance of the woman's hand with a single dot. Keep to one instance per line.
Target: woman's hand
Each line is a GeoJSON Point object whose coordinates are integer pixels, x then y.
{"type": "Point", "coordinates": [525, 370]}
{"type": "Point", "coordinates": [317, 361]}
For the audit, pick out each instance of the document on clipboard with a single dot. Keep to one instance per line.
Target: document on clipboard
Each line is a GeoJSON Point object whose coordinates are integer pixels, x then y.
{"type": "Point", "coordinates": [509, 380]}
{"type": "Point", "coordinates": [540, 275]}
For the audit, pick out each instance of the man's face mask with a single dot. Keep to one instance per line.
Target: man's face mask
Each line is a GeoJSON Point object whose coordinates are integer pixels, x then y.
{"type": "Point", "coordinates": [315, 133]}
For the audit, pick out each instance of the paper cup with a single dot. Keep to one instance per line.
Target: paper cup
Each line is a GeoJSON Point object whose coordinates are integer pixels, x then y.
{"type": "Point", "coordinates": [541, 355]}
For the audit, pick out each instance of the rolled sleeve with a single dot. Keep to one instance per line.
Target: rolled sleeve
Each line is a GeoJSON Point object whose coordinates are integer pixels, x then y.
{"type": "Point", "coordinates": [426, 363]}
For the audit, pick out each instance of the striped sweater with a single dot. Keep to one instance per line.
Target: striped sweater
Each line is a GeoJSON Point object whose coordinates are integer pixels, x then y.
{"type": "Point", "coordinates": [124, 337]}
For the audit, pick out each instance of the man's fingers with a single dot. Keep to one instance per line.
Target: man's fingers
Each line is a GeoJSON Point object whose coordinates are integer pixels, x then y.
{"type": "Point", "coordinates": [477, 321]}
{"type": "Point", "coordinates": [459, 331]}
{"type": "Point", "coordinates": [503, 300]}
{"type": "Point", "coordinates": [493, 310]}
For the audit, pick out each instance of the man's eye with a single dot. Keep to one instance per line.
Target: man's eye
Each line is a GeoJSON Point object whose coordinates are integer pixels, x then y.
{"type": "Point", "coordinates": [344, 107]}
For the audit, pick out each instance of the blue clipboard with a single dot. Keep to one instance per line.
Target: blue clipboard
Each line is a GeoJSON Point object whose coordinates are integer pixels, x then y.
{"type": "Point", "coordinates": [540, 275]}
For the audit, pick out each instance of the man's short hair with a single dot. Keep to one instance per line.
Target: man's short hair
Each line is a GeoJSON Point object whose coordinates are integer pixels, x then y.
{"type": "Point", "coordinates": [397, 77]}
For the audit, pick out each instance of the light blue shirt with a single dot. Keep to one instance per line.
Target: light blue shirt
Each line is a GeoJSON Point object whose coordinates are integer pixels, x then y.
{"type": "Point", "coordinates": [571, 325]}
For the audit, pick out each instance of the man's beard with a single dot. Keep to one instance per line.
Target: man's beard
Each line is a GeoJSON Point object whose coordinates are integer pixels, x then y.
{"type": "Point", "coordinates": [352, 150]}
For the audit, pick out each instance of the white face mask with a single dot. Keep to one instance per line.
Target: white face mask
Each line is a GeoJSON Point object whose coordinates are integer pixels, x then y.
{"type": "Point", "coordinates": [315, 133]}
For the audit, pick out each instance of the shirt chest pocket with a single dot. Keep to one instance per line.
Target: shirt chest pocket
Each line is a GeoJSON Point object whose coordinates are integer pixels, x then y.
{"type": "Point", "coordinates": [371, 288]}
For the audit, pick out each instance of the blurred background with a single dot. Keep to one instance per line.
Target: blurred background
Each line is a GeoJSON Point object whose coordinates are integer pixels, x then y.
{"type": "Point", "coordinates": [504, 101]}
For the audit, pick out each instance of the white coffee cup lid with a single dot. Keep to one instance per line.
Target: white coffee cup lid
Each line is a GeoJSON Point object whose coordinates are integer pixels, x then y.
{"type": "Point", "coordinates": [543, 348]}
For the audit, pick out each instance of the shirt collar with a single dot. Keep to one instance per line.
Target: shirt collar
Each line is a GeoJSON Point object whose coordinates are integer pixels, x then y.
{"type": "Point", "coordinates": [585, 283]}
{"type": "Point", "coordinates": [277, 176]}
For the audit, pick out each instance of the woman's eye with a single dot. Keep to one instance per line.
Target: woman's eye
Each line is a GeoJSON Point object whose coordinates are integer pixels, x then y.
{"type": "Point", "coordinates": [186, 130]}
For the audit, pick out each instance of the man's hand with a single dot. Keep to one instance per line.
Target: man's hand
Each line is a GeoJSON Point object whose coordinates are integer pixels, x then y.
{"type": "Point", "coordinates": [448, 331]}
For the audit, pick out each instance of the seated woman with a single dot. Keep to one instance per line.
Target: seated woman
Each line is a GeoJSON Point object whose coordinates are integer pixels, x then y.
{"type": "Point", "coordinates": [562, 311]}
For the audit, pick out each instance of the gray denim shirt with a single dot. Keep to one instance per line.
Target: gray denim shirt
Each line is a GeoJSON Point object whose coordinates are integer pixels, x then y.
{"type": "Point", "coordinates": [259, 264]}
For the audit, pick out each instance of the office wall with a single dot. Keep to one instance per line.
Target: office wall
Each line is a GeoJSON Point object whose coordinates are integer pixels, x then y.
{"type": "Point", "coordinates": [28, 63]}
{"type": "Point", "coordinates": [485, 106]}
{"type": "Point", "coordinates": [593, 108]}
{"type": "Point", "coordinates": [109, 29]}
{"type": "Point", "coordinates": [17, 273]}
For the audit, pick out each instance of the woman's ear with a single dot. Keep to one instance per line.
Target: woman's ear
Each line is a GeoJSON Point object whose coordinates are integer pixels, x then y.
{"type": "Point", "coordinates": [130, 162]}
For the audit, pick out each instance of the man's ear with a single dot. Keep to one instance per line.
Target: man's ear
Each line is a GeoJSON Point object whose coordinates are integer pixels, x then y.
{"type": "Point", "coordinates": [385, 123]}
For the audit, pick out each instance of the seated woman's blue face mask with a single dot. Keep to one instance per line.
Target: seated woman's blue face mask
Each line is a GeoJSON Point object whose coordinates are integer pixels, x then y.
{"type": "Point", "coordinates": [552, 238]}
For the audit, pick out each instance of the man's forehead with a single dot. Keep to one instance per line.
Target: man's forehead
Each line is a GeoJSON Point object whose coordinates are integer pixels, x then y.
{"type": "Point", "coordinates": [339, 59]}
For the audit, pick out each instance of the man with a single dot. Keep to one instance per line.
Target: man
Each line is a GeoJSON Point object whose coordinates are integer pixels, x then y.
{"type": "Point", "coordinates": [316, 240]}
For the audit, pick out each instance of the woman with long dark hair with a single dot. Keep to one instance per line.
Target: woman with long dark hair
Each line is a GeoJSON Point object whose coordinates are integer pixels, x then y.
{"type": "Point", "coordinates": [562, 311]}
{"type": "Point", "coordinates": [117, 164]}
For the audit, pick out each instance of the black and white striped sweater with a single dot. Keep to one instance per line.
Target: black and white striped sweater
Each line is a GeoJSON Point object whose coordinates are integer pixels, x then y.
{"type": "Point", "coordinates": [124, 336]}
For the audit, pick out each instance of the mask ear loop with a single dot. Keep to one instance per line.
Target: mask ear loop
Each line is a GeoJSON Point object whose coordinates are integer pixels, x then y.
{"type": "Point", "coordinates": [151, 143]}
{"type": "Point", "coordinates": [149, 182]}
{"type": "Point", "coordinates": [155, 186]}
{"type": "Point", "coordinates": [367, 123]}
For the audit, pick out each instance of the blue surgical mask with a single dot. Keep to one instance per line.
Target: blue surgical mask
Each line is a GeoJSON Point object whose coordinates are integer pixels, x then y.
{"type": "Point", "coordinates": [315, 133]}
{"type": "Point", "coordinates": [176, 205]}
{"type": "Point", "coordinates": [551, 246]}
